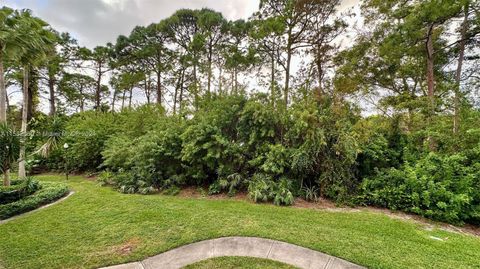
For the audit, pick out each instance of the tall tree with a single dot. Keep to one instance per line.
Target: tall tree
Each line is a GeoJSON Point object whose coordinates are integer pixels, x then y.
{"type": "Point", "coordinates": [62, 56]}
{"type": "Point", "coordinates": [78, 90]}
{"type": "Point", "coordinates": [469, 30]}
{"type": "Point", "coordinates": [324, 30]}
{"type": "Point", "coordinates": [39, 40]}
{"type": "Point", "coordinates": [8, 45]}
{"type": "Point", "coordinates": [267, 38]}
{"type": "Point", "coordinates": [297, 18]}
{"type": "Point", "coordinates": [100, 58]}
{"type": "Point", "coordinates": [213, 28]}
{"type": "Point", "coordinates": [239, 55]}
{"type": "Point", "coordinates": [184, 34]}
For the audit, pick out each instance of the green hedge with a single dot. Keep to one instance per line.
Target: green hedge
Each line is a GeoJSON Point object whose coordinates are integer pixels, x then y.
{"type": "Point", "coordinates": [18, 190]}
{"type": "Point", "coordinates": [48, 193]}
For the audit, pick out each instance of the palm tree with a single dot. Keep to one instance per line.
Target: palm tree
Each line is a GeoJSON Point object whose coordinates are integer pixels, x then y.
{"type": "Point", "coordinates": [37, 41]}
{"type": "Point", "coordinates": [7, 44]}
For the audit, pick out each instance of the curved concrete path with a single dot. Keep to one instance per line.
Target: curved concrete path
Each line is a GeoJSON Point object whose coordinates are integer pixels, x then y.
{"type": "Point", "coordinates": [240, 246]}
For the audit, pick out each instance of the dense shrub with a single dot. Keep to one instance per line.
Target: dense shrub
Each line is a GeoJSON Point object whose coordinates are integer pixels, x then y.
{"type": "Point", "coordinates": [231, 139]}
{"type": "Point", "coordinates": [437, 187]}
{"type": "Point", "coordinates": [154, 158]}
{"type": "Point", "coordinates": [263, 188]}
{"type": "Point", "coordinates": [88, 133]}
{"type": "Point", "coordinates": [48, 193]}
{"type": "Point", "coordinates": [18, 190]}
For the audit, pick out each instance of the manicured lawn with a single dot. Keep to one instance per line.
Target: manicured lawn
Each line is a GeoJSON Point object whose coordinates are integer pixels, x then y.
{"type": "Point", "coordinates": [239, 263]}
{"type": "Point", "coordinates": [98, 226]}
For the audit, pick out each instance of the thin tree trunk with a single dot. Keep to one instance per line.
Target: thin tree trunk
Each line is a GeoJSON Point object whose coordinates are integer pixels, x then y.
{"type": "Point", "coordinates": [82, 100]}
{"type": "Point", "coordinates": [8, 105]}
{"type": "Point", "coordinates": [21, 163]}
{"type": "Point", "coordinates": [123, 99]}
{"type": "Point", "coordinates": [195, 88]}
{"type": "Point", "coordinates": [430, 69]}
{"type": "Point", "coordinates": [236, 80]}
{"type": "Point", "coordinates": [51, 88]}
{"type": "Point", "coordinates": [99, 88]}
{"type": "Point", "coordinates": [220, 82]}
{"type": "Point", "coordinates": [287, 75]}
{"type": "Point", "coordinates": [3, 92]}
{"type": "Point", "coordinates": [175, 97]}
{"type": "Point", "coordinates": [319, 71]}
{"type": "Point", "coordinates": [145, 88]}
{"type": "Point", "coordinates": [130, 98]}
{"type": "Point", "coordinates": [272, 82]}
{"type": "Point", "coordinates": [458, 74]}
{"type": "Point", "coordinates": [180, 98]}
{"type": "Point", "coordinates": [209, 70]}
{"type": "Point", "coordinates": [159, 88]}
{"type": "Point", "coordinates": [232, 86]}
{"type": "Point", "coordinates": [113, 100]}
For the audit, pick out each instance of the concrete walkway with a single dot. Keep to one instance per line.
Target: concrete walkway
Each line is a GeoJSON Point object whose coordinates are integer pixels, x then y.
{"type": "Point", "coordinates": [240, 246]}
{"type": "Point", "coordinates": [40, 208]}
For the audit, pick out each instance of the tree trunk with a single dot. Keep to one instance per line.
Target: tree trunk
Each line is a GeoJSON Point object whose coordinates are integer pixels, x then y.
{"type": "Point", "coordinates": [272, 82]}
{"type": "Point", "coordinates": [180, 98]}
{"type": "Point", "coordinates": [21, 160]}
{"type": "Point", "coordinates": [430, 69]}
{"type": "Point", "coordinates": [3, 92]}
{"type": "Point", "coordinates": [99, 88]}
{"type": "Point", "coordinates": [113, 100]}
{"type": "Point", "coordinates": [209, 71]}
{"type": "Point", "coordinates": [145, 89]}
{"type": "Point", "coordinates": [32, 87]}
{"type": "Point", "coordinates": [123, 99]}
{"type": "Point", "coordinates": [159, 88]}
{"type": "Point", "coordinates": [51, 89]}
{"type": "Point", "coordinates": [175, 97]}
{"type": "Point", "coordinates": [458, 74]}
{"type": "Point", "coordinates": [220, 82]}
{"type": "Point", "coordinates": [8, 104]}
{"type": "Point", "coordinates": [130, 98]}
{"type": "Point", "coordinates": [232, 82]}
{"type": "Point", "coordinates": [236, 79]}
{"type": "Point", "coordinates": [320, 71]}
{"type": "Point", "coordinates": [287, 75]}
{"type": "Point", "coordinates": [6, 178]}
{"type": "Point", "coordinates": [82, 100]}
{"type": "Point", "coordinates": [195, 88]}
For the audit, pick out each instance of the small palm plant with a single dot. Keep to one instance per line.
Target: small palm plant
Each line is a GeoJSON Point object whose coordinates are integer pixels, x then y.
{"type": "Point", "coordinates": [52, 139]}
{"type": "Point", "coordinates": [9, 150]}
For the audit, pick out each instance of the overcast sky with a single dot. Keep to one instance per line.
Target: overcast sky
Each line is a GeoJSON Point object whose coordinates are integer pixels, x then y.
{"type": "Point", "coordinates": [96, 22]}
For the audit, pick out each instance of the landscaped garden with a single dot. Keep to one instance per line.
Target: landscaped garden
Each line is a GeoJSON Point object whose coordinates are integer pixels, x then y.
{"type": "Point", "coordinates": [98, 226]}
{"type": "Point", "coordinates": [315, 134]}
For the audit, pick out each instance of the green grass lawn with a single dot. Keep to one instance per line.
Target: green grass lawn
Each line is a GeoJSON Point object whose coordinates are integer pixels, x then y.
{"type": "Point", "coordinates": [239, 263]}
{"type": "Point", "coordinates": [98, 226]}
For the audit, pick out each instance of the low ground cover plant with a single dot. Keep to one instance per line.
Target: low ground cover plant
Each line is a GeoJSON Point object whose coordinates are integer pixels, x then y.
{"type": "Point", "coordinates": [18, 190]}
{"type": "Point", "coordinates": [45, 193]}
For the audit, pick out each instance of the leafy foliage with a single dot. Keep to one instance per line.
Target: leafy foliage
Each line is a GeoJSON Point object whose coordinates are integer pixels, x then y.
{"type": "Point", "coordinates": [18, 190]}
{"type": "Point", "coordinates": [48, 193]}
{"type": "Point", "coordinates": [441, 188]}
{"type": "Point", "coordinates": [9, 147]}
